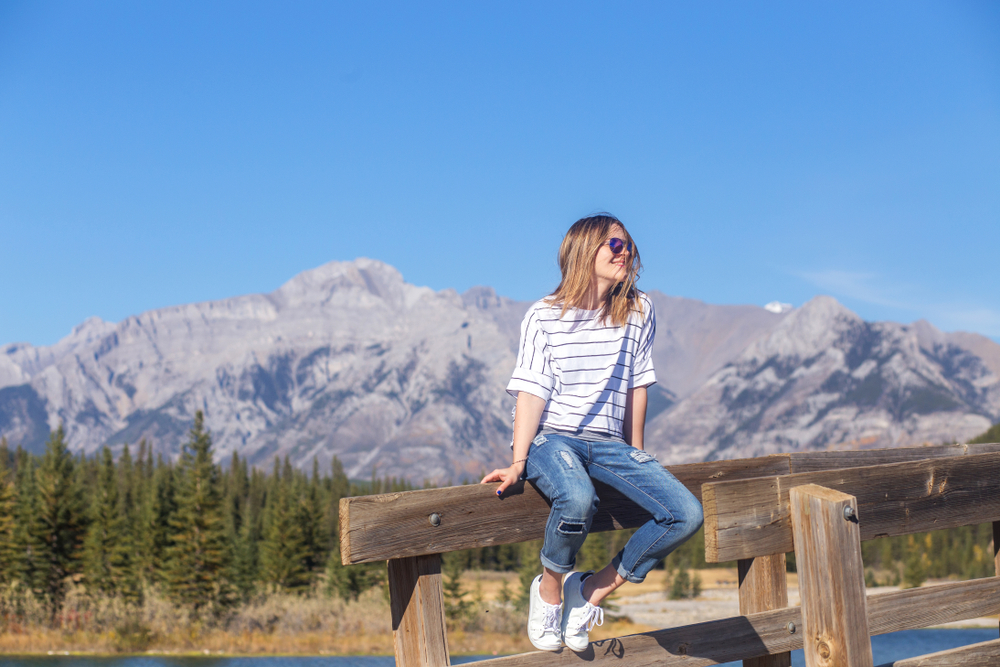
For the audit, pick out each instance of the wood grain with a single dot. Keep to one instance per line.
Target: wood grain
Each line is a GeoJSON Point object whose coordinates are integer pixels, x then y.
{"type": "Point", "coordinates": [748, 518]}
{"type": "Point", "coordinates": [984, 654]}
{"type": "Point", "coordinates": [764, 587]}
{"type": "Point", "coordinates": [766, 633]}
{"type": "Point", "coordinates": [817, 461]}
{"type": "Point", "coordinates": [397, 525]}
{"type": "Point", "coordinates": [416, 602]}
{"type": "Point", "coordinates": [831, 578]}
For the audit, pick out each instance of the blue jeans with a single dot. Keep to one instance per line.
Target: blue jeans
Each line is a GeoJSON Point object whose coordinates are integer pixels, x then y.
{"type": "Point", "coordinates": [562, 467]}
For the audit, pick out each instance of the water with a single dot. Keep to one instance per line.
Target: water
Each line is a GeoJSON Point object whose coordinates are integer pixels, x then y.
{"type": "Point", "coordinates": [885, 648]}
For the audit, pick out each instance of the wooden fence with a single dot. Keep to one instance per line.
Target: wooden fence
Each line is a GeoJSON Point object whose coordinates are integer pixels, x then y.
{"type": "Point", "coordinates": [820, 505]}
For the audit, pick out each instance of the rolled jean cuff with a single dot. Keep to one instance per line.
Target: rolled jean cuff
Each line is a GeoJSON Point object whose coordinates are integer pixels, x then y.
{"type": "Point", "coordinates": [616, 563]}
{"type": "Point", "coordinates": [561, 569]}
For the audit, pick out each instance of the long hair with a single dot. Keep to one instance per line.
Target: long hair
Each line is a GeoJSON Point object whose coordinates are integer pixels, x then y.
{"type": "Point", "coordinates": [577, 255]}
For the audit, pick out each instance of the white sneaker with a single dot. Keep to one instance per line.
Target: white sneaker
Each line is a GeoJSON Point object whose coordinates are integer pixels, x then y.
{"type": "Point", "coordinates": [580, 616]}
{"type": "Point", "coordinates": [543, 620]}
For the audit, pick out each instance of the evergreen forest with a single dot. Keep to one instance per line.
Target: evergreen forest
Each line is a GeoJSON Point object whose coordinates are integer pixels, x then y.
{"type": "Point", "coordinates": [210, 537]}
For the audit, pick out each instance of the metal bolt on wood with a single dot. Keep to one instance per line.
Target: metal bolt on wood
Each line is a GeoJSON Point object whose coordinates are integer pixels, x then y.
{"type": "Point", "coordinates": [790, 627]}
{"type": "Point", "coordinates": [435, 519]}
{"type": "Point", "coordinates": [849, 513]}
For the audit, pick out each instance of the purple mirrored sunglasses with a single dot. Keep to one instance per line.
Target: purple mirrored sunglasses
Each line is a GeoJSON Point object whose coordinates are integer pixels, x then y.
{"type": "Point", "coordinates": [617, 245]}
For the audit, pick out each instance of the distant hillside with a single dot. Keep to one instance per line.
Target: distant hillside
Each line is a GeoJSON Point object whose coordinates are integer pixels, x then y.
{"type": "Point", "coordinates": [825, 378]}
{"type": "Point", "coordinates": [350, 360]}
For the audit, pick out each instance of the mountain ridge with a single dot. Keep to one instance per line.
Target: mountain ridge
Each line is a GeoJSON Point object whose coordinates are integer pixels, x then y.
{"type": "Point", "coordinates": [348, 359]}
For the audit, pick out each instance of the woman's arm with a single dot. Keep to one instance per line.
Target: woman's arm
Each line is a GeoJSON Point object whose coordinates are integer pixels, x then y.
{"type": "Point", "coordinates": [526, 418]}
{"type": "Point", "coordinates": [635, 416]}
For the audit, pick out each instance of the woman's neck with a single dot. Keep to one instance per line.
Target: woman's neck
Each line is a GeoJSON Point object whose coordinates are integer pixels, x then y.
{"type": "Point", "coordinates": [596, 293]}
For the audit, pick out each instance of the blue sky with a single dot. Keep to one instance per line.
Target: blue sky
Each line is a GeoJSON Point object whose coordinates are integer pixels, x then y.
{"type": "Point", "coordinates": [159, 153]}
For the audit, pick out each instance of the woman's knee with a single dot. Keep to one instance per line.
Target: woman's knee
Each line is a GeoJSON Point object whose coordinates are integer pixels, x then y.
{"type": "Point", "coordinates": [689, 517]}
{"type": "Point", "coordinates": [575, 502]}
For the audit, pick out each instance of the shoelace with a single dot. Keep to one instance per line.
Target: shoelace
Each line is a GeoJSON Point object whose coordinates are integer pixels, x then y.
{"type": "Point", "coordinates": [593, 616]}
{"type": "Point", "coordinates": [551, 621]}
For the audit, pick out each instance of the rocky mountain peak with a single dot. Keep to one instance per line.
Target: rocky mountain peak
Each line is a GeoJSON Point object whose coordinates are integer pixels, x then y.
{"type": "Point", "coordinates": [804, 332]}
{"type": "Point", "coordinates": [361, 283]}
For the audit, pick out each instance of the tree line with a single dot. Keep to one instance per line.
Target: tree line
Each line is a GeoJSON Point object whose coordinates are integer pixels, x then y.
{"type": "Point", "coordinates": [210, 537]}
{"type": "Point", "coordinates": [204, 536]}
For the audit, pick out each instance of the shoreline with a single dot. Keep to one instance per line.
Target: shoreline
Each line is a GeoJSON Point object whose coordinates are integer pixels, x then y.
{"type": "Point", "coordinates": [322, 654]}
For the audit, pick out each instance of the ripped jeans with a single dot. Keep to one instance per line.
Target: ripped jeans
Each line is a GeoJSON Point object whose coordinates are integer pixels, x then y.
{"type": "Point", "coordinates": [562, 467]}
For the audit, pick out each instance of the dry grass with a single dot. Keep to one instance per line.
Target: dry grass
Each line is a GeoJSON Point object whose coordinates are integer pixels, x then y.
{"type": "Point", "coordinates": [273, 624]}
{"type": "Point", "coordinates": [281, 624]}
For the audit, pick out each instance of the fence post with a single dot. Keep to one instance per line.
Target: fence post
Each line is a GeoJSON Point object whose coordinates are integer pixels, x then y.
{"type": "Point", "coordinates": [831, 577]}
{"type": "Point", "coordinates": [416, 600]}
{"type": "Point", "coordinates": [764, 587]}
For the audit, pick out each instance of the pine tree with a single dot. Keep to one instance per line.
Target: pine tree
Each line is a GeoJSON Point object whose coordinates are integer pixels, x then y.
{"type": "Point", "coordinates": [246, 557]}
{"type": "Point", "coordinates": [312, 525]}
{"type": "Point", "coordinates": [239, 533]}
{"type": "Point", "coordinates": [155, 530]}
{"type": "Point", "coordinates": [27, 549]}
{"type": "Point", "coordinates": [8, 506]}
{"type": "Point", "coordinates": [455, 605]}
{"type": "Point", "coordinates": [127, 565]}
{"type": "Point", "coordinates": [62, 522]}
{"type": "Point", "coordinates": [350, 582]}
{"type": "Point", "coordinates": [246, 552]}
{"type": "Point", "coordinates": [284, 553]}
{"type": "Point", "coordinates": [338, 486]}
{"type": "Point", "coordinates": [198, 554]}
{"type": "Point", "coordinates": [104, 532]}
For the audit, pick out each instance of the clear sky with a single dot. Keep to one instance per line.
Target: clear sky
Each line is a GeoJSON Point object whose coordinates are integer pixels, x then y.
{"type": "Point", "coordinates": [162, 152]}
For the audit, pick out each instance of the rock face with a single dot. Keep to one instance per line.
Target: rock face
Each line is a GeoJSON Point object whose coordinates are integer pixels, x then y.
{"type": "Point", "coordinates": [824, 378]}
{"type": "Point", "coordinates": [349, 360]}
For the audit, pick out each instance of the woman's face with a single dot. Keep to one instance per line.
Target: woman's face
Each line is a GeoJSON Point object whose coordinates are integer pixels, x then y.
{"type": "Point", "coordinates": [609, 266]}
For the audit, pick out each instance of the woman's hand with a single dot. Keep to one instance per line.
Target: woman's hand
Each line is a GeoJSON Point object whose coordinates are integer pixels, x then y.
{"type": "Point", "coordinates": [506, 476]}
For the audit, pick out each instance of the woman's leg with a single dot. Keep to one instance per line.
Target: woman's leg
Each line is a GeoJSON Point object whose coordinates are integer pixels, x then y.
{"type": "Point", "coordinates": [676, 514]}
{"type": "Point", "coordinates": [557, 467]}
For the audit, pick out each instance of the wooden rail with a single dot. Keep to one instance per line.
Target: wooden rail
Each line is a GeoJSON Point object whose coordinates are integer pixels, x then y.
{"type": "Point", "coordinates": [767, 633]}
{"type": "Point", "coordinates": [398, 525]}
{"type": "Point", "coordinates": [750, 517]}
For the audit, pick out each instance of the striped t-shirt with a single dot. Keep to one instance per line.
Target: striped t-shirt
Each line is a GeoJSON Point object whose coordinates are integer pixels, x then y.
{"type": "Point", "coordinates": [582, 367]}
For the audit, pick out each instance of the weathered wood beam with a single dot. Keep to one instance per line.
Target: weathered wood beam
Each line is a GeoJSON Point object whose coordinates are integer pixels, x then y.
{"type": "Point", "coordinates": [817, 461]}
{"type": "Point", "coordinates": [831, 578]}
{"type": "Point", "coordinates": [769, 632]}
{"type": "Point", "coordinates": [748, 518]}
{"type": "Point", "coordinates": [416, 602]}
{"type": "Point", "coordinates": [397, 525]}
{"type": "Point", "coordinates": [984, 654]}
{"type": "Point", "coordinates": [764, 587]}
{"type": "Point", "coordinates": [372, 527]}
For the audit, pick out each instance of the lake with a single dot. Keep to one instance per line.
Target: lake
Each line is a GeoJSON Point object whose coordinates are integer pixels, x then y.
{"type": "Point", "coordinates": [886, 648]}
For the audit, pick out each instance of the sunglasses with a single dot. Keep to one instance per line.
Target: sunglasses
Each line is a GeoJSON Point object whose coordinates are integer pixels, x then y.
{"type": "Point", "coordinates": [617, 245]}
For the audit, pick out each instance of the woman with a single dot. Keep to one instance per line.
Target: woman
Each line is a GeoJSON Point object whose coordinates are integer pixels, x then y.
{"type": "Point", "coordinates": [584, 364]}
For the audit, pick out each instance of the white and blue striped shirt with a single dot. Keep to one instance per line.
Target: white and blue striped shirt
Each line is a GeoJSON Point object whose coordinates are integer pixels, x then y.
{"type": "Point", "coordinates": [582, 367]}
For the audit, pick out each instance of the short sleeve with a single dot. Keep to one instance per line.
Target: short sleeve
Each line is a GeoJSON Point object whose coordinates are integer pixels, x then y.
{"type": "Point", "coordinates": [533, 372]}
{"type": "Point", "coordinates": [643, 374]}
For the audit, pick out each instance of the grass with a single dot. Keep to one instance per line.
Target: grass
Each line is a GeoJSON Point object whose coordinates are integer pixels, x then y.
{"type": "Point", "coordinates": [284, 624]}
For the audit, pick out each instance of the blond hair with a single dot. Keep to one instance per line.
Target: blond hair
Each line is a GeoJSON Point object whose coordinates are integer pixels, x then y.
{"type": "Point", "coordinates": [577, 255]}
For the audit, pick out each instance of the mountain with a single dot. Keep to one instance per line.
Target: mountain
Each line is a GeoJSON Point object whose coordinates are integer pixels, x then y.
{"type": "Point", "coordinates": [823, 378]}
{"type": "Point", "coordinates": [349, 360]}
